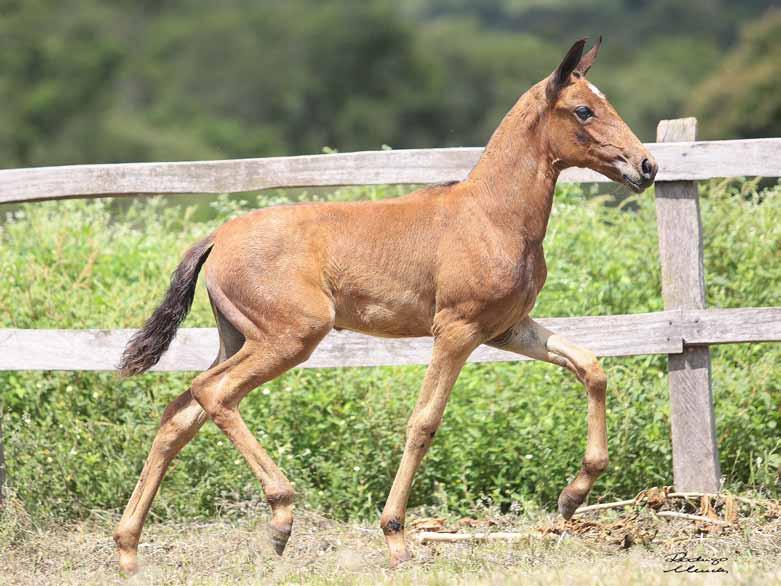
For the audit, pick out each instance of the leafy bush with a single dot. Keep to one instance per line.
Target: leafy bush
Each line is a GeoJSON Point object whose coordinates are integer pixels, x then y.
{"type": "Point", "coordinates": [512, 432]}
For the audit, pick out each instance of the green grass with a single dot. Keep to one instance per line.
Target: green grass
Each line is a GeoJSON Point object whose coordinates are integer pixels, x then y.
{"type": "Point", "coordinates": [513, 433]}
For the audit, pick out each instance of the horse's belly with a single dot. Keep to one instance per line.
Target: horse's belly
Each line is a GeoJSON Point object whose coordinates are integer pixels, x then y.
{"type": "Point", "coordinates": [396, 318]}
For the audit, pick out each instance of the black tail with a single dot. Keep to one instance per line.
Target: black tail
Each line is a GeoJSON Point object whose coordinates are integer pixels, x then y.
{"type": "Point", "coordinates": [147, 345]}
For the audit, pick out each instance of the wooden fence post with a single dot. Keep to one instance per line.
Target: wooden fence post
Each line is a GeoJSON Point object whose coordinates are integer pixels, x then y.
{"type": "Point", "coordinates": [695, 453]}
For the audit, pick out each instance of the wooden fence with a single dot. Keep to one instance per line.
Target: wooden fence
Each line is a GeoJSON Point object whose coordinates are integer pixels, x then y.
{"type": "Point", "coordinates": [683, 331]}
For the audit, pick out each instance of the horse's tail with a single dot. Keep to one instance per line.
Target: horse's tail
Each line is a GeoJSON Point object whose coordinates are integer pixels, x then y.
{"type": "Point", "coordinates": [147, 345]}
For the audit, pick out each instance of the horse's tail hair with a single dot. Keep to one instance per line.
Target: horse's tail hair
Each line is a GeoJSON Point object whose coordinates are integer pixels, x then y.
{"type": "Point", "coordinates": [147, 345]}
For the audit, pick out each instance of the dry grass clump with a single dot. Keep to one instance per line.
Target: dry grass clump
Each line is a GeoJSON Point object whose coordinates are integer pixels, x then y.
{"type": "Point", "coordinates": [621, 547]}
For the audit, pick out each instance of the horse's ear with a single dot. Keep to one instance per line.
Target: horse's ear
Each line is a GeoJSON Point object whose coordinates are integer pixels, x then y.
{"type": "Point", "coordinates": [588, 59]}
{"type": "Point", "coordinates": [559, 78]}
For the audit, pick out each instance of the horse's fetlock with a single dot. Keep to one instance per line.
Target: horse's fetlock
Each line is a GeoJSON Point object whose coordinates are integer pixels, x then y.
{"type": "Point", "coordinates": [391, 525]}
{"type": "Point", "coordinates": [125, 539]}
{"type": "Point", "coordinates": [595, 377]}
{"type": "Point", "coordinates": [595, 465]}
{"type": "Point", "coordinates": [280, 496]}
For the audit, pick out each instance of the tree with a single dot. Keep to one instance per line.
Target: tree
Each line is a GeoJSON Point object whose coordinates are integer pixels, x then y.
{"type": "Point", "coordinates": [57, 61]}
{"type": "Point", "coordinates": [742, 98]}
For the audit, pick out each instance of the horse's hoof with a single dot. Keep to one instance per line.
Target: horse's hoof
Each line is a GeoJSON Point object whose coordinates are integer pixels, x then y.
{"type": "Point", "coordinates": [279, 538]}
{"type": "Point", "coordinates": [128, 563]}
{"type": "Point", "coordinates": [568, 504]}
{"type": "Point", "coordinates": [127, 547]}
{"type": "Point", "coordinates": [399, 559]}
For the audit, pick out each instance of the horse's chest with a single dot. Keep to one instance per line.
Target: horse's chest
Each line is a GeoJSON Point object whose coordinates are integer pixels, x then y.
{"type": "Point", "coordinates": [510, 288]}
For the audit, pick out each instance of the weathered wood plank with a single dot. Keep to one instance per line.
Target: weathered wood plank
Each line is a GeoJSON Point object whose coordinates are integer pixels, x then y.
{"type": "Point", "coordinates": [680, 231]}
{"type": "Point", "coordinates": [195, 348]}
{"type": "Point", "coordinates": [680, 160]}
{"type": "Point", "coordinates": [665, 332]}
{"type": "Point", "coordinates": [729, 326]}
{"type": "Point", "coordinates": [365, 168]}
{"type": "Point", "coordinates": [686, 159]}
{"type": "Point", "coordinates": [695, 452]}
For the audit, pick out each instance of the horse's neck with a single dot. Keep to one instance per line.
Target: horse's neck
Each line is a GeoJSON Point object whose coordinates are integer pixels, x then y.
{"type": "Point", "coordinates": [516, 175]}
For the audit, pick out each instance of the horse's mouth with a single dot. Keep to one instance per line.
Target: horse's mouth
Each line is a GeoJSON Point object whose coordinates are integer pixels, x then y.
{"type": "Point", "coordinates": [635, 186]}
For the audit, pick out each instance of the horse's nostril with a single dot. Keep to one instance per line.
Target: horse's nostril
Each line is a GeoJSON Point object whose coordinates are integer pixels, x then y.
{"type": "Point", "coordinates": [648, 168]}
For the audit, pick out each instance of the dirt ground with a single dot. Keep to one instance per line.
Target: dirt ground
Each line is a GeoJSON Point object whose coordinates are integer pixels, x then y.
{"type": "Point", "coordinates": [740, 544]}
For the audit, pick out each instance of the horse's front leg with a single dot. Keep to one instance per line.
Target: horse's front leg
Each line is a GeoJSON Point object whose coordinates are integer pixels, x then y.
{"type": "Point", "coordinates": [531, 339]}
{"type": "Point", "coordinates": [452, 347]}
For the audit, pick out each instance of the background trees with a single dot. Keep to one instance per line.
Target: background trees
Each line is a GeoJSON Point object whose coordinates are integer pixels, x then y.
{"type": "Point", "coordinates": [91, 81]}
{"type": "Point", "coordinates": [743, 96]}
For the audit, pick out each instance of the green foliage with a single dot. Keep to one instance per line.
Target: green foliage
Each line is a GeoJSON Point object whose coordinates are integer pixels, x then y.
{"type": "Point", "coordinates": [75, 442]}
{"type": "Point", "coordinates": [668, 68]}
{"type": "Point", "coordinates": [83, 81]}
{"type": "Point", "coordinates": [56, 63]}
{"type": "Point", "coordinates": [741, 98]}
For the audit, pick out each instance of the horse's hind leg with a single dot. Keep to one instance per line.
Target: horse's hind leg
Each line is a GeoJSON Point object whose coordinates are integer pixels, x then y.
{"type": "Point", "coordinates": [180, 422]}
{"type": "Point", "coordinates": [263, 357]}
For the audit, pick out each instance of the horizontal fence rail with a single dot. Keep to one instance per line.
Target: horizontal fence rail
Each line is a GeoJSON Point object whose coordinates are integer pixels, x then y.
{"type": "Point", "coordinates": [677, 161]}
{"type": "Point", "coordinates": [663, 332]}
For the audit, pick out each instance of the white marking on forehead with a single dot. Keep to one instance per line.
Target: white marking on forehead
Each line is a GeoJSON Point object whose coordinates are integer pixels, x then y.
{"type": "Point", "coordinates": [595, 89]}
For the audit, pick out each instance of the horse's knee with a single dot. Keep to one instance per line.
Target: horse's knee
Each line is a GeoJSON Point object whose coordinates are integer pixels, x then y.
{"type": "Point", "coordinates": [425, 422]}
{"type": "Point", "coordinates": [427, 427]}
{"type": "Point", "coordinates": [421, 429]}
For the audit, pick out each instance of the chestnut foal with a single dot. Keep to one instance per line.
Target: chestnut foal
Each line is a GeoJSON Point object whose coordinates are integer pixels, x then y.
{"type": "Point", "coordinates": [461, 262]}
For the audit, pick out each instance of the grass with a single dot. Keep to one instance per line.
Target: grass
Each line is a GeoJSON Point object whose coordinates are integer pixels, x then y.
{"type": "Point", "coordinates": [621, 548]}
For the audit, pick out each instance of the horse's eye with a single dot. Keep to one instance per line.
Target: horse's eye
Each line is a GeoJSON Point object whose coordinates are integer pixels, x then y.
{"type": "Point", "coordinates": [584, 112]}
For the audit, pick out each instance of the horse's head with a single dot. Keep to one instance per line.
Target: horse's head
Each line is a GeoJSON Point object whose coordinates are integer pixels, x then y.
{"type": "Point", "coordinates": [586, 131]}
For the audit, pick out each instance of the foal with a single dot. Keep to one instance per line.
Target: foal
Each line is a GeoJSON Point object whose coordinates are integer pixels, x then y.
{"type": "Point", "coordinates": [462, 262]}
